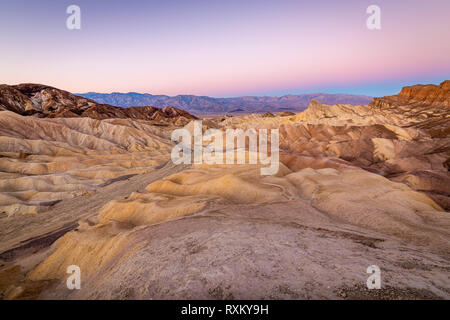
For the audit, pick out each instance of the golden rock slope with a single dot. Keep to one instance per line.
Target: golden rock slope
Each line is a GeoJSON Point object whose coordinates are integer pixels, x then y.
{"type": "Point", "coordinates": [254, 234]}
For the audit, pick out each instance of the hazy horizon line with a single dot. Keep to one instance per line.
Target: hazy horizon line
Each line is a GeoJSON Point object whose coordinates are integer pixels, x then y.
{"type": "Point", "coordinates": [225, 97]}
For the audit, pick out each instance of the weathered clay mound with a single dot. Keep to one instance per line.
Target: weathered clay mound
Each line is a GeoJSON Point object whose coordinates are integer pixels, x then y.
{"type": "Point", "coordinates": [322, 137]}
{"type": "Point", "coordinates": [64, 158]}
{"type": "Point", "coordinates": [235, 236]}
{"type": "Point", "coordinates": [404, 137]}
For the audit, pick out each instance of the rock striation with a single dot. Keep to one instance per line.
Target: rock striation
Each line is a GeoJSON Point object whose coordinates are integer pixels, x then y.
{"type": "Point", "coordinates": [357, 185]}
{"type": "Point", "coordinates": [48, 102]}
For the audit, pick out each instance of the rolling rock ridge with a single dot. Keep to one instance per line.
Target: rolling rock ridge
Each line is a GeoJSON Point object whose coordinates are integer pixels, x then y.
{"type": "Point", "coordinates": [93, 185]}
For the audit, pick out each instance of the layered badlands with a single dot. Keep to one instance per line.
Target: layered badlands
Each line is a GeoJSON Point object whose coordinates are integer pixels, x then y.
{"type": "Point", "coordinates": [357, 186]}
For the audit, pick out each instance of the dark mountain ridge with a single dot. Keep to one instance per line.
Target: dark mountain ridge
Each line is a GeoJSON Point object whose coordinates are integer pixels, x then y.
{"type": "Point", "coordinates": [47, 102]}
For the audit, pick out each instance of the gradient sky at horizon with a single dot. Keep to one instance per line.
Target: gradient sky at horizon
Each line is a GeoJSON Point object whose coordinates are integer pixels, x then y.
{"type": "Point", "coordinates": [226, 48]}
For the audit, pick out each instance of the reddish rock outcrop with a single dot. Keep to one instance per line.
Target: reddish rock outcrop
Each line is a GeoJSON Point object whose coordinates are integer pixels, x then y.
{"type": "Point", "coordinates": [48, 102]}
{"type": "Point", "coordinates": [426, 107]}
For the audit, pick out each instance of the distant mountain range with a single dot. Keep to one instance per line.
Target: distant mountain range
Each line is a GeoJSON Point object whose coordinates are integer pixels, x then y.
{"type": "Point", "coordinates": [203, 105]}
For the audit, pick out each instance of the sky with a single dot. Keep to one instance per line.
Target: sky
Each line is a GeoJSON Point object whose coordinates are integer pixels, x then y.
{"type": "Point", "coordinates": [225, 48]}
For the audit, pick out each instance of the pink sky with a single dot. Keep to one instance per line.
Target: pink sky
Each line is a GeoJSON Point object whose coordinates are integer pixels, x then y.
{"type": "Point", "coordinates": [225, 48]}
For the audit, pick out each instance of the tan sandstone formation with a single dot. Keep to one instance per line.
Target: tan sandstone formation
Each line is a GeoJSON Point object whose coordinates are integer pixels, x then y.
{"type": "Point", "coordinates": [125, 235]}
{"type": "Point", "coordinates": [64, 158]}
